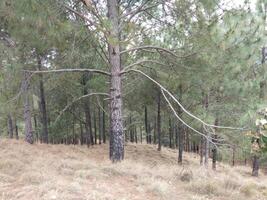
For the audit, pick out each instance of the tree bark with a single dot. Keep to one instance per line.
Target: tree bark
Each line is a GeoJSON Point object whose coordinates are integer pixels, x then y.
{"type": "Point", "coordinates": [214, 154]}
{"type": "Point", "coordinates": [116, 123]}
{"type": "Point", "coordinates": [81, 136]}
{"type": "Point", "coordinates": [42, 105]}
{"type": "Point", "coordinates": [207, 143]}
{"type": "Point", "coordinates": [27, 110]}
{"type": "Point", "coordinates": [201, 150]}
{"type": "Point", "coordinates": [159, 122]}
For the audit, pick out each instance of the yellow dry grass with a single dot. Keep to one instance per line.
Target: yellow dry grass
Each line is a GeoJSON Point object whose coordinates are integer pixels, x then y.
{"type": "Point", "coordinates": [35, 172]}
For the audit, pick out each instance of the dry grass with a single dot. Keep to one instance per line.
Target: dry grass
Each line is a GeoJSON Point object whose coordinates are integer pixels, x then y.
{"type": "Point", "coordinates": [43, 172]}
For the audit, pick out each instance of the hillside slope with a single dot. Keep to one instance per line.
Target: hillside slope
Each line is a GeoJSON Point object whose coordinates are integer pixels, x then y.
{"type": "Point", "coordinates": [78, 173]}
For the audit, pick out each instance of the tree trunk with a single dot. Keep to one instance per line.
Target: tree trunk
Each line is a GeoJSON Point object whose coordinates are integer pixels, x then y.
{"type": "Point", "coordinates": [95, 126]}
{"type": "Point", "coordinates": [116, 124]}
{"type": "Point", "coordinates": [100, 125]}
{"type": "Point", "coordinates": [27, 110]}
{"type": "Point", "coordinates": [201, 150]}
{"type": "Point", "coordinates": [146, 125]}
{"type": "Point", "coordinates": [181, 143]}
{"type": "Point", "coordinates": [35, 128]}
{"type": "Point", "coordinates": [214, 154]}
{"type": "Point", "coordinates": [159, 123]}
{"type": "Point", "coordinates": [10, 126]}
{"type": "Point", "coordinates": [87, 112]}
{"type": "Point", "coordinates": [81, 137]}
{"type": "Point", "coordinates": [233, 160]}
{"type": "Point", "coordinates": [170, 133]}
{"type": "Point", "coordinates": [42, 105]}
{"type": "Point", "coordinates": [207, 144]}
{"type": "Point", "coordinates": [104, 123]}
{"type": "Point", "coordinates": [255, 165]}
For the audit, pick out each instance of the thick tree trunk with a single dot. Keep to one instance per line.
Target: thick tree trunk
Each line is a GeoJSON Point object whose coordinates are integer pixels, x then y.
{"type": "Point", "coordinates": [42, 105]}
{"type": "Point", "coordinates": [159, 122]}
{"type": "Point", "coordinates": [10, 126]}
{"type": "Point", "coordinates": [255, 165]}
{"type": "Point", "coordinates": [116, 123]}
{"type": "Point", "coordinates": [27, 110]}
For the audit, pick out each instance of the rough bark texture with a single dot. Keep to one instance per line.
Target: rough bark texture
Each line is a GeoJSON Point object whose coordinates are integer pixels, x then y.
{"type": "Point", "coordinates": [116, 124]}
{"type": "Point", "coordinates": [42, 106]}
{"type": "Point", "coordinates": [214, 155]}
{"type": "Point", "coordinates": [27, 110]}
{"type": "Point", "coordinates": [95, 127]}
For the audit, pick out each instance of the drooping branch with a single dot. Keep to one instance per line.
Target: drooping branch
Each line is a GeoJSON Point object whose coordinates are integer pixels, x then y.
{"type": "Point", "coordinates": [181, 120]}
{"type": "Point", "coordinates": [78, 99]}
{"type": "Point", "coordinates": [140, 63]}
{"type": "Point", "coordinates": [156, 48]}
{"type": "Point", "coordinates": [176, 101]}
{"type": "Point", "coordinates": [69, 70]}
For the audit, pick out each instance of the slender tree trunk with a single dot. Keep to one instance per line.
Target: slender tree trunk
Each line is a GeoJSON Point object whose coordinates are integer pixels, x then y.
{"type": "Point", "coordinates": [180, 130]}
{"type": "Point", "coordinates": [146, 125]}
{"type": "Point", "coordinates": [17, 131]}
{"type": "Point", "coordinates": [141, 135]}
{"type": "Point", "coordinates": [181, 143]}
{"type": "Point", "coordinates": [27, 110]}
{"type": "Point", "coordinates": [36, 128]}
{"type": "Point", "coordinates": [201, 150]}
{"type": "Point", "coordinates": [95, 126]}
{"type": "Point", "coordinates": [233, 160]}
{"type": "Point", "coordinates": [207, 143]}
{"type": "Point", "coordinates": [170, 133]}
{"type": "Point", "coordinates": [87, 112]}
{"type": "Point", "coordinates": [81, 137]}
{"type": "Point", "coordinates": [10, 126]}
{"type": "Point", "coordinates": [104, 123]}
{"type": "Point", "coordinates": [42, 105]}
{"type": "Point", "coordinates": [100, 125]}
{"type": "Point", "coordinates": [116, 123]}
{"type": "Point", "coordinates": [255, 165]}
{"type": "Point", "coordinates": [154, 132]}
{"type": "Point", "coordinates": [214, 154]}
{"type": "Point", "coordinates": [159, 122]}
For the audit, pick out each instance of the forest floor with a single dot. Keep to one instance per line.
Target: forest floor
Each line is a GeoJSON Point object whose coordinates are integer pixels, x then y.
{"type": "Point", "coordinates": [33, 172]}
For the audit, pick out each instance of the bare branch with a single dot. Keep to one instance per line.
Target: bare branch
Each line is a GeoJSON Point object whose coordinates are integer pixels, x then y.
{"type": "Point", "coordinates": [140, 63]}
{"type": "Point", "coordinates": [157, 48]}
{"type": "Point", "coordinates": [187, 112]}
{"type": "Point", "coordinates": [69, 70]}
{"type": "Point", "coordinates": [180, 119]}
